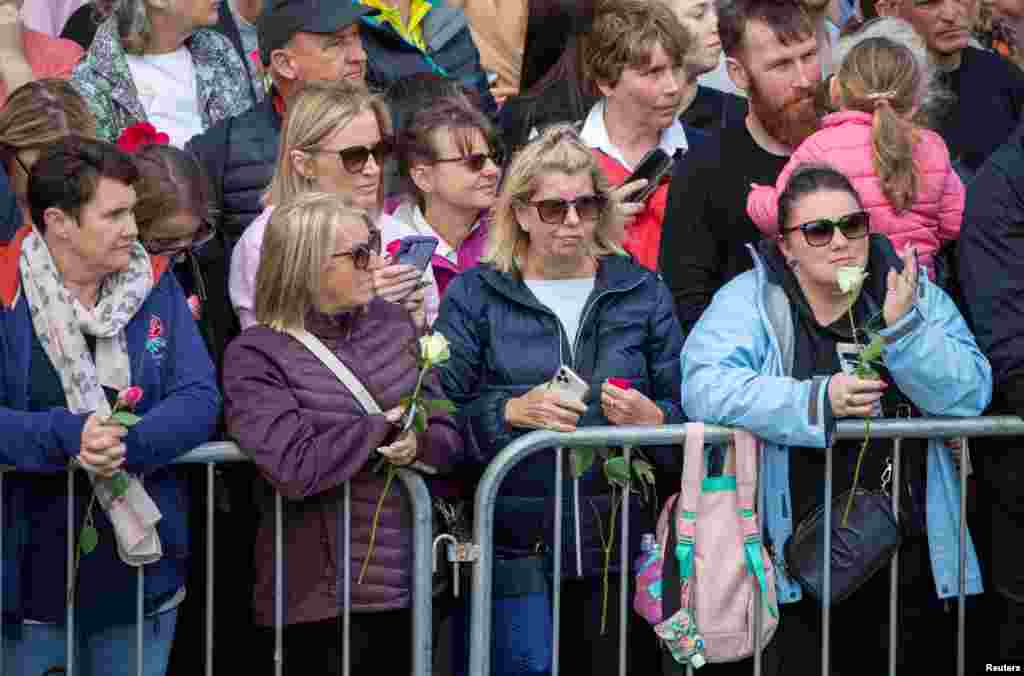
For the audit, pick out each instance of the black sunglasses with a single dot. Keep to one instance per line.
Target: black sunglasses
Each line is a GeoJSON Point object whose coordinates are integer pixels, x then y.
{"type": "Point", "coordinates": [821, 231]}
{"type": "Point", "coordinates": [477, 161]}
{"type": "Point", "coordinates": [173, 247]}
{"type": "Point", "coordinates": [354, 159]}
{"type": "Point", "coordinates": [555, 211]}
{"type": "Point", "coordinates": [362, 253]}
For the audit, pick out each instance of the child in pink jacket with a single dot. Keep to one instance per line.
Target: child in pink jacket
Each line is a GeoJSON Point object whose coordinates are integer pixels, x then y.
{"type": "Point", "coordinates": [901, 171]}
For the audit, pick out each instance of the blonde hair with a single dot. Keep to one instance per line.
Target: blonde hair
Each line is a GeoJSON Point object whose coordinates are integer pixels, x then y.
{"type": "Point", "coordinates": [557, 150]}
{"type": "Point", "coordinates": [883, 78]}
{"type": "Point", "coordinates": [40, 113]}
{"type": "Point", "coordinates": [297, 244]}
{"type": "Point", "coordinates": [318, 110]}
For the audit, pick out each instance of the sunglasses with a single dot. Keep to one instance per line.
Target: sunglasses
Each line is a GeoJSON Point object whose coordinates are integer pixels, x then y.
{"type": "Point", "coordinates": [555, 211]}
{"type": "Point", "coordinates": [820, 232]}
{"type": "Point", "coordinates": [354, 159]}
{"type": "Point", "coordinates": [477, 161]}
{"type": "Point", "coordinates": [362, 253]}
{"type": "Point", "coordinates": [174, 247]}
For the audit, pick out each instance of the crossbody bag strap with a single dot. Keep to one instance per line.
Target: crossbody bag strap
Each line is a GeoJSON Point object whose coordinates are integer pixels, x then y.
{"type": "Point", "coordinates": [343, 373]}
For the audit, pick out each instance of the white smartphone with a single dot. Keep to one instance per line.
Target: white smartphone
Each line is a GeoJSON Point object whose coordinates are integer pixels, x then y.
{"type": "Point", "coordinates": [568, 384]}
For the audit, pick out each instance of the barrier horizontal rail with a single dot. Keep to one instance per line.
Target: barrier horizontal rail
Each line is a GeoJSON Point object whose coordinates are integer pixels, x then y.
{"type": "Point", "coordinates": [223, 452]}
{"type": "Point", "coordinates": [630, 436]}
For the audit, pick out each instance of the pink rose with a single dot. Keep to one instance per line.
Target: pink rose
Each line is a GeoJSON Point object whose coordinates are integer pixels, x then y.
{"type": "Point", "coordinates": [129, 396]}
{"type": "Point", "coordinates": [195, 307]}
{"type": "Point", "coordinates": [621, 383]}
{"type": "Point", "coordinates": [140, 135]}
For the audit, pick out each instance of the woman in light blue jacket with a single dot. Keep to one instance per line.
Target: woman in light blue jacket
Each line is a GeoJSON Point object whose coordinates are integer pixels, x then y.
{"type": "Point", "coordinates": [765, 356]}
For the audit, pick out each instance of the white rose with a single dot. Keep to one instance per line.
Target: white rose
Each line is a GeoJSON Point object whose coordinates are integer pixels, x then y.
{"type": "Point", "coordinates": [850, 278]}
{"type": "Point", "coordinates": [434, 349]}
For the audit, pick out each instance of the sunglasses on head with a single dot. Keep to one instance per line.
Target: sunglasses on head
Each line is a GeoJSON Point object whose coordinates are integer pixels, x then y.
{"type": "Point", "coordinates": [821, 231]}
{"type": "Point", "coordinates": [475, 162]}
{"type": "Point", "coordinates": [555, 211]}
{"type": "Point", "coordinates": [362, 253]}
{"type": "Point", "coordinates": [354, 159]}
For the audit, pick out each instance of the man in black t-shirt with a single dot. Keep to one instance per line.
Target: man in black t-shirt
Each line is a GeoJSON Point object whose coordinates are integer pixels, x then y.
{"type": "Point", "coordinates": [989, 89]}
{"type": "Point", "coordinates": [771, 53]}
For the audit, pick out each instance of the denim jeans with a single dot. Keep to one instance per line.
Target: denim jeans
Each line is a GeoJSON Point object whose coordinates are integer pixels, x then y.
{"type": "Point", "coordinates": [99, 651]}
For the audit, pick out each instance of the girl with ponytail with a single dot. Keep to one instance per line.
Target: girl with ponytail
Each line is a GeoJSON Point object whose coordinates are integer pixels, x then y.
{"type": "Point", "coordinates": [900, 170]}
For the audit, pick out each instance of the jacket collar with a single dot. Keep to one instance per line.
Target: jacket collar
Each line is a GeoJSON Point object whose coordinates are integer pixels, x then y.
{"type": "Point", "coordinates": [615, 274]}
{"type": "Point", "coordinates": [440, 26]}
{"type": "Point", "coordinates": [10, 270]}
{"type": "Point", "coordinates": [847, 116]}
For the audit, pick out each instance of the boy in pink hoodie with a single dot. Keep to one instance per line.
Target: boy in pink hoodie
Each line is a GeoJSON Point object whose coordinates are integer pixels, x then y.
{"type": "Point", "coordinates": [902, 172]}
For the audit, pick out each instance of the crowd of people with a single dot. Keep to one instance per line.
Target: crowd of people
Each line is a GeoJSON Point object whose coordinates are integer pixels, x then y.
{"type": "Point", "coordinates": [205, 211]}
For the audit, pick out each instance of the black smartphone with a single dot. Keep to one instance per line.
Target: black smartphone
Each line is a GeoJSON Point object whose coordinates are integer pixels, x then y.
{"type": "Point", "coordinates": [416, 250]}
{"type": "Point", "coordinates": [652, 167]}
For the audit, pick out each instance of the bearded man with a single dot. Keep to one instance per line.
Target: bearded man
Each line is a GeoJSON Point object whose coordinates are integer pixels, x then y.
{"type": "Point", "coordinates": [772, 54]}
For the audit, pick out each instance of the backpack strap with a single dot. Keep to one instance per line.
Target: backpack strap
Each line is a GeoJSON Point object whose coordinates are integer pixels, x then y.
{"type": "Point", "coordinates": [338, 368]}
{"type": "Point", "coordinates": [747, 450]}
{"type": "Point", "coordinates": [689, 497]}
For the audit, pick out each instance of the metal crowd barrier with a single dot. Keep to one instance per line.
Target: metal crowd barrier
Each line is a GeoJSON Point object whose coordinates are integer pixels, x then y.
{"type": "Point", "coordinates": [216, 453]}
{"type": "Point", "coordinates": [627, 438]}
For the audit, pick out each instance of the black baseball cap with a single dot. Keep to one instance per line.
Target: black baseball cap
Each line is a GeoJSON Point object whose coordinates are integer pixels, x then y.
{"type": "Point", "coordinates": [281, 19]}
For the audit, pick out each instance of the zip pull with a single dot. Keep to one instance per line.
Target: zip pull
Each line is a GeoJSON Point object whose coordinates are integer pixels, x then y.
{"type": "Point", "coordinates": [887, 475]}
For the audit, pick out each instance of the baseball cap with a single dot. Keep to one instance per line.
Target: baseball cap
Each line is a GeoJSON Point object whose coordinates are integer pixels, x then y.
{"type": "Point", "coordinates": [281, 19]}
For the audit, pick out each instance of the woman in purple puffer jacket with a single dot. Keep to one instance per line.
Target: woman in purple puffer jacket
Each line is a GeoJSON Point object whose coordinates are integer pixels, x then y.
{"type": "Point", "coordinates": [308, 434]}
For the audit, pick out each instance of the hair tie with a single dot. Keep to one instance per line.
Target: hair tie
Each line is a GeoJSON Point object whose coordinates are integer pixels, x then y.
{"type": "Point", "coordinates": [881, 98]}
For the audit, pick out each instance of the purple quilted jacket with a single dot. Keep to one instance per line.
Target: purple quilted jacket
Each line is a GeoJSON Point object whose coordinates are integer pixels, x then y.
{"type": "Point", "coordinates": [308, 435]}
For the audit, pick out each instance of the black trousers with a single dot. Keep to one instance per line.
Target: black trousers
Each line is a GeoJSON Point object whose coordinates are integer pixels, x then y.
{"type": "Point", "coordinates": [859, 637]}
{"type": "Point", "coordinates": [381, 644]}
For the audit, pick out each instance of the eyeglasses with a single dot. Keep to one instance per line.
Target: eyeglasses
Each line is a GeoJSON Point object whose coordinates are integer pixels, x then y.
{"type": "Point", "coordinates": [362, 253]}
{"type": "Point", "coordinates": [354, 159]}
{"type": "Point", "coordinates": [174, 247]}
{"type": "Point", "coordinates": [477, 161]}
{"type": "Point", "coordinates": [555, 211]}
{"type": "Point", "coordinates": [820, 232]}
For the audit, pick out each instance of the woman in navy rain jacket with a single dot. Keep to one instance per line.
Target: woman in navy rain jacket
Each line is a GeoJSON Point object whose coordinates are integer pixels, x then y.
{"type": "Point", "coordinates": [556, 289]}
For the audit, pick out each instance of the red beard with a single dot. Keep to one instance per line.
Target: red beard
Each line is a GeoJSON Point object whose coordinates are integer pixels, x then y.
{"type": "Point", "coordinates": [789, 123]}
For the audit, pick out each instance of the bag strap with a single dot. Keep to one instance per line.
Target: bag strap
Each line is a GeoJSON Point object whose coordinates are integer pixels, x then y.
{"type": "Point", "coordinates": [343, 373]}
{"type": "Point", "coordinates": [689, 497]}
{"type": "Point", "coordinates": [747, 452]}
{"type": "Point", "coordinates": [746, 468]}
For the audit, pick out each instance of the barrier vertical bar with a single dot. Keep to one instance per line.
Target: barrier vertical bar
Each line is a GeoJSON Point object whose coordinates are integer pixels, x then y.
{"type": "Point", "coordinates": [826, 601]}
{"type": "Point", "coordinates": [278, 584]}
{"type": "Point", "coordinates": [346, 580]}
{"type": "Point", "coordinates": [961, 610]}
{"type": "Point", "coordinates": [624, 562]}
{"type": "Point", "coordinates": [140, 584]}
{"type": "Point", "coordinates": [69, 622]}
{"type": "Point", "coordinates": [556, 576]}
{"type": "Point", "coordinates": [210, 470]}
{"type": "Point", "coordinates": [894, 566]}
{"type": "Point", "coordinates": [422, 584]}
{"type": "Point", "coordinates": [1, 570]}
{"type": "Point", "coordinates": [758, 605]}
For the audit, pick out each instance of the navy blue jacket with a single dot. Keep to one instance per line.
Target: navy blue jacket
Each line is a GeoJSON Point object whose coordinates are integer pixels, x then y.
{"type": "Point", "coordinates": [991, 266]}
{"type": "Point", "coordinates": [450, 47]}
{"type": "Point", "coordinates": [505, 342]}
{"type": "Point", "coordinates": [179, 411]}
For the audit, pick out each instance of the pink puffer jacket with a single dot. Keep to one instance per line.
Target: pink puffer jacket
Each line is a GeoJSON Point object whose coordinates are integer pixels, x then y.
{"type": "Point", "coordinates": [844, 142]}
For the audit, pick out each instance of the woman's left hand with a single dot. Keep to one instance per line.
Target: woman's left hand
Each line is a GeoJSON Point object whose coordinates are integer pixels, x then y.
{"type": "Point", "coordinates": [403, 451]}
{"type": "Point", "coordinates": [629, 407]}
{"type": "Point", "coordinates": [901, 289]}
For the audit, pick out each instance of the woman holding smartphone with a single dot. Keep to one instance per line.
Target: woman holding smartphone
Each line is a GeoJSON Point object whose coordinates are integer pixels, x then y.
{"type": "Point", "coordinates": [555, 293]}
{"type": "Point", "coordinates": [336, 139]}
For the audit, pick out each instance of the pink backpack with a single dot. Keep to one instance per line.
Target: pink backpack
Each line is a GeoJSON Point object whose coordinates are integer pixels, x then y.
{"type": "Point", "coordinates": [716, 539]}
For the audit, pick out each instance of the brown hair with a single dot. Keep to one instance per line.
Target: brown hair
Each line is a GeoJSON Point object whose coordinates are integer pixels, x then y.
{"type": "Point", "coordinates": [882, 77]}
{"type": "Point", "coordinates": [787, 19]}
{"type": "Point", "coordinates": [40, 113]}
{"type": "Point", "coordinates": [625, 33]}
{"type": "Point", "coordinates": [454, 113]}
{"type": "Point", "coordinates": [170, 180]}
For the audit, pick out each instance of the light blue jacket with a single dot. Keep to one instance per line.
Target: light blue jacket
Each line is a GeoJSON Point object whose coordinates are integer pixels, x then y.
{"type": "Point", "coordinates": [736, 364]}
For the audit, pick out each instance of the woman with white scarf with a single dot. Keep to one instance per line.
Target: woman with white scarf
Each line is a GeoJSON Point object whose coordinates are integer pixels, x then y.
{"type": "Point", "coordinates": [85, 315]}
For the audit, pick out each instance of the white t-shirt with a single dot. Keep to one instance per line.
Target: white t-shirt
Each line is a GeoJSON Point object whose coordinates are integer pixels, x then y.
{"type": "Point", "coordinates": [166, 84]}
{"type": "Point", "coordinates": [566, 298]}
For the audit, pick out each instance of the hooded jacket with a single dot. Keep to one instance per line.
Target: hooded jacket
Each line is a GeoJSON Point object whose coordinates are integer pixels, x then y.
{"type": "Point", "coordinates": [504, 342]}
{"type": "Point", "coordinates": [179, 410]}
{"type": "Point", "coordinates": [737, 362]}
